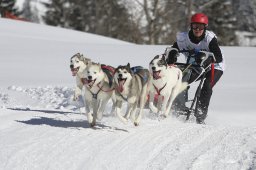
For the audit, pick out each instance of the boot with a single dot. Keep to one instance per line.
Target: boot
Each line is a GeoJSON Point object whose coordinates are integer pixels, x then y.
{"type": "Point", "coordinates": [200, 115]}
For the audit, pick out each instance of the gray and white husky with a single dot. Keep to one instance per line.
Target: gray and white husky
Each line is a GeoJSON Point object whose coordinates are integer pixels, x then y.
{"type": "Point", "coordinates": [166, 83]}
{"type": "Point", "coordinates": [78, 63]}
{"type": "Point", "coordinates": [98, 91]}
{"type": "Point", "coordinates": [131, 87]}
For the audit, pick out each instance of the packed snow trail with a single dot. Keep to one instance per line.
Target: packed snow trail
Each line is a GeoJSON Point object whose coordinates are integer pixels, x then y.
{"type": "Point", "coordinates": [54, 140]}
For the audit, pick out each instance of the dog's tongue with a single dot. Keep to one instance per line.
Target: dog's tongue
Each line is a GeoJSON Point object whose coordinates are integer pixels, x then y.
{"type": "Point", "coordinates": [156, 74]}
{"type": "Point", "coordinates": [74, 72]}
{"type": "Point", "coordinates": [84, 80]}
{"type": "Point", "coordinates": [121, 85]}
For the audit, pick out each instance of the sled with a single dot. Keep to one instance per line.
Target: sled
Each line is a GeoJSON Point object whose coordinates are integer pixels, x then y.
{"type": "Point", "coordinates": [193, 70]}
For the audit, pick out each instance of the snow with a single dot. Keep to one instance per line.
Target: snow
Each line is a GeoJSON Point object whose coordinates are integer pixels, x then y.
{"type": "Point", "coordinates": [42, 128]}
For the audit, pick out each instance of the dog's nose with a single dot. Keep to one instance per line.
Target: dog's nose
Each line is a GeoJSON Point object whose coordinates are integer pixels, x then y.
{"type": "Point", "coordinates": [71, 66]}
{"type": "Point", "coordinates": [153, 68]}
{"type": "Point", "coordinates": [89, 77]}
{"type": "Point", "coordinates": [120, 75]}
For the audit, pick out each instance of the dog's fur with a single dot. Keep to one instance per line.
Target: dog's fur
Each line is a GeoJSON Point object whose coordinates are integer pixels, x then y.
{"type": "Point", "coordinates": [98, 91]}
{"type": "Point", "coordinates": [78, 63]}
{"type": "Point", "coordinates": [166, 82]}
{"type": "Point", "coordinates": [131, 88]}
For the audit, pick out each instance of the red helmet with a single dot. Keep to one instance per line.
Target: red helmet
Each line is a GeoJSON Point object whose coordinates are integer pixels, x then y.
{"type": "Point", "coordinates": [199, 18]}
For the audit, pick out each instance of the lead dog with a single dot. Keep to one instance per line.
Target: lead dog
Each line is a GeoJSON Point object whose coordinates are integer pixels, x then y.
{"type": "Point", "coordinates": [98, 90]}
{"type": "Point", "coordinates": [131, 87]}
{"type": "Point", "coordinates": [78, 63]}
{"type": "Point", "coordinates": [166, 83]}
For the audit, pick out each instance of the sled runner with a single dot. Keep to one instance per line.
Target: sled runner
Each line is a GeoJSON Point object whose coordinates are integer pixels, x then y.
{"type": "Point", "coordinates": [197, 65]}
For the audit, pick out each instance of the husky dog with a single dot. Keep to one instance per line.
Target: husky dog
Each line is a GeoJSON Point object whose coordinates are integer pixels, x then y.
{"type": "Point", "coordinates": [166, 83]}
{"type": "Point", "coordinates": [131, 87]}
{"type": "Point", "coordinates": [98, 90]}
{"type": "Point", "coordinates": [78, 63]}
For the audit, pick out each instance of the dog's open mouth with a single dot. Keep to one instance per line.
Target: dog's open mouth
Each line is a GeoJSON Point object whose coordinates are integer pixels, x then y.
{"type": "Point", "coordinates": [121, 82]}
{"type": "Point", "coordinates": [90, 82]}
{"type": "Point", "coordinates": [156, 74]}
{"type": "Point", "coordinates": [74, 71]}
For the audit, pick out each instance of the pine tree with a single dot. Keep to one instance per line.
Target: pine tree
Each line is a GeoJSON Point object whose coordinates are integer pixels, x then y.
{"type": "Point", "coordinates": [29, 12]}
{"type": "Point", "coordinates": [57, 13]}
{"type": "Point", "coordinates": [104, 17]}
{"type": "Point", "coordinates": [222, 19]}
{"type": "Point", "coordinates": [246, 15]}
{"type": "Point", "coordinates": [8, 6]}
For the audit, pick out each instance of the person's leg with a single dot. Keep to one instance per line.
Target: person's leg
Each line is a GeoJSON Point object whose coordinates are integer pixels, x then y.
{"type": "Point", "coordinates": [205, 96]}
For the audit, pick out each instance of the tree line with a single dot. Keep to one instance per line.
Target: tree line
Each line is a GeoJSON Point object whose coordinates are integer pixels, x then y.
{"type": "Point", "coordinates": [143, 21]}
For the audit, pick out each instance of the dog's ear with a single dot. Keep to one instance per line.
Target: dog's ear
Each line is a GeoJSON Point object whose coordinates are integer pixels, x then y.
{"type": "Point", "coordinates": [99, 66]}
{"type": "Point", "coordinates": [156, 57]}
{"type": "Point", "coordinates": [129, 68]}
{"type": "Point", "coordinates": [89, 63]}
{"type": "Point", "coordinates": [86, 61]}
{"type": "Point", "coordinates": [164, 61]}
{"type": "Point", "coordinates": [163, 57]}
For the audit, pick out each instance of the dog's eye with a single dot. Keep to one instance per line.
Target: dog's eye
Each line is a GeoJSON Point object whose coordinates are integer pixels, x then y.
{"type": "Point", "coordinates": [125, 71]}
{"type": "Point", "coordinates": [88, 72]}
{"type": "Point", "coordinates": [94, 72]}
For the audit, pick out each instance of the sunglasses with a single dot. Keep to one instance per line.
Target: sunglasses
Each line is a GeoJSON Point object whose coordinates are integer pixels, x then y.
{"type": "Point", "coordinates": [198, 26]}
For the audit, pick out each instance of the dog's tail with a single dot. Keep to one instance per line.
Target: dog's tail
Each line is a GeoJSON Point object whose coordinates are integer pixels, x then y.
{"type": "Point", "coordinates": [183, 85]}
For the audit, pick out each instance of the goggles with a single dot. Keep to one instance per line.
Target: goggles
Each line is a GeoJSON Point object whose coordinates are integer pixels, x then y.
{"type": "Point", "coordinates": [197, 26]}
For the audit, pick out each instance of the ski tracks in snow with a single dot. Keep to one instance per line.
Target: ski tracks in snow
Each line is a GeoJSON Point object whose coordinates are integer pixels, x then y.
{"type": "Point", "coordinates": [51, 140]}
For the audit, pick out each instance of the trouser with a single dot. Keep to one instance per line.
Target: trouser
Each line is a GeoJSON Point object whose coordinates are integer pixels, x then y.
{"type": "Point", "coordinates": [206, 93]}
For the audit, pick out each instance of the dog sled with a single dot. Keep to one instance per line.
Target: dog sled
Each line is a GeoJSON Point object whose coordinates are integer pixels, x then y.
{"type": "Point", "coordinates": [198, 63]}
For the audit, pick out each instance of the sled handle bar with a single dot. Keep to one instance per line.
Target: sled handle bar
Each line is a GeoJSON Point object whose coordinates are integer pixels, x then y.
{"type": "Point", "coordinates": [191, 65]}
{"type": "Point", "coordinates": [191, 52]}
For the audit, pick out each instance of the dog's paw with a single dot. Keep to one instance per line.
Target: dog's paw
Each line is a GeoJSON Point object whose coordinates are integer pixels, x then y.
{"type": "Point", "coordinates": [153, 108]}
{"type": "Point", "coordinates": [89, 117]}
{"type": "Point", "coordinates": [122, 119]}
{"type": "Point", "coordinates": [92, 124]}
{"type": "Point", "coordinates": [136, 123]}
{"type": "Point", "coordinates": [75, 98]}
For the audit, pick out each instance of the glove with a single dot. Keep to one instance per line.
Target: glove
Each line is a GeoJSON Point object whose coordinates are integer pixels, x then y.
{"type": "Point", "coordinates": [203, 60]}
{"type": "Point", "coordinates": [172, 56]}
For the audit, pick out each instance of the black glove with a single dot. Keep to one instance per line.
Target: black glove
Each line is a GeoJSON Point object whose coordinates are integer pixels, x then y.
{"type": "Point", "coordinates": [172, 56]}
{"type": "Point", "coordinates": [203, 60]}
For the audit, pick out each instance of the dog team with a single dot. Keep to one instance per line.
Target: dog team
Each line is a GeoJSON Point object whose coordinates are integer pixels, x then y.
{"type": "Point", "coordinates": [125, 84]}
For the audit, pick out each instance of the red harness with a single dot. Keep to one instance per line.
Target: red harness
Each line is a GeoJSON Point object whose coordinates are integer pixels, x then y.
{"type": "Point", "coordinates": [212, 75]}
{"type": "Point", "coordinates": [159, 90]}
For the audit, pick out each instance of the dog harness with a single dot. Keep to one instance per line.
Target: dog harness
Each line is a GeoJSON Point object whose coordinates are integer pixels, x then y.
{"type": "Point", "coordinates": [159, 90]}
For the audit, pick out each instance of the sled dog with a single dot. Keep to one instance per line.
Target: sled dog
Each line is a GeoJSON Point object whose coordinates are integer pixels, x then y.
{"type": "Point", "coordinates": [98, 90]}
{"type": "Point", "coordinates": [166, 83]}
{"type": "Point", "coordinates": [78, 63]}
{"type": "Point", "coordinates": [131, 86]}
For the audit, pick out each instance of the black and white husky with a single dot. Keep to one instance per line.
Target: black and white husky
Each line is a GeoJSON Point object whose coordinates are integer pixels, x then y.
{"type": "Point", "coordinates": [166, 83]}
{"type": "Point", "coordinates": [131, 86]}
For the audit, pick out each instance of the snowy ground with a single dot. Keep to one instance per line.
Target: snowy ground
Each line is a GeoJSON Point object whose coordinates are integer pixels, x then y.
{"type": "Point", "coordinates": [41, 128]}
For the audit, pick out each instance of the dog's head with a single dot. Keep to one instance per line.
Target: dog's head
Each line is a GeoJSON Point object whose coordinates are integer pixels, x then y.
{"type": "Point", "coordinates": [122, 76]}
{"type": "Point", "coordinates": [157, 66]}
{"type": "Point", "coordinates": [93, 74]}
{"type": "Point", "coordinates": [78, 63]}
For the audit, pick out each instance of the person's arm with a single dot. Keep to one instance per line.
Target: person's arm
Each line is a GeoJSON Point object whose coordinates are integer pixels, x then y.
{"type": "Point", "coordinates": [215, 49]}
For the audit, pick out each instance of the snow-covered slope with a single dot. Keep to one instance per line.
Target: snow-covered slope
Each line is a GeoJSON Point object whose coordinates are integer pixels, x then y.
{"type": "Point", "coordinates": [41, 128]}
